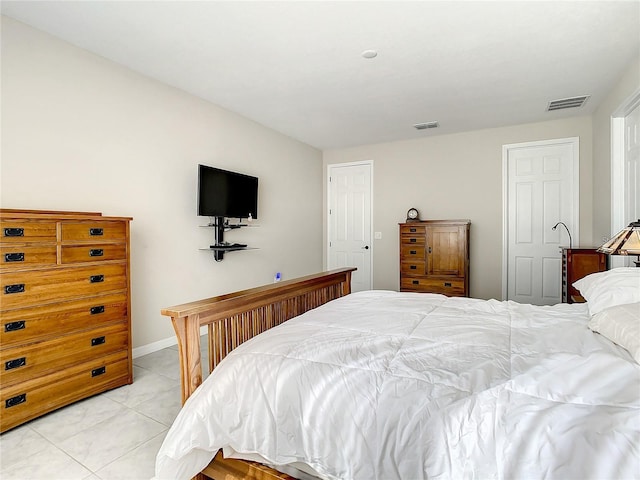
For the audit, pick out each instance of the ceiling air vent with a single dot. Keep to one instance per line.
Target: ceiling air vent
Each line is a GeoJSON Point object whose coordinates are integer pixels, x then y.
{"type": "Point", "coordinates": [573, 102]}
{"type": "Point", "coordinates": [424, 126]}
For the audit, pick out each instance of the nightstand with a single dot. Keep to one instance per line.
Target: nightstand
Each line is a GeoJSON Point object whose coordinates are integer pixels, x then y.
{"type": "Point", "coordinates": [576, 264]}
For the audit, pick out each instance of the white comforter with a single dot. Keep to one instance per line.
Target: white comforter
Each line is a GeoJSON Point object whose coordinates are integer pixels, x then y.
{"type": "Point", "coordinates": [387, 385]}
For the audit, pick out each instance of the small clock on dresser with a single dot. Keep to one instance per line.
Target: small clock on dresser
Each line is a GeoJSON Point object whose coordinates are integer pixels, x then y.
{"type": "Point", "coordinates": [413, 215]}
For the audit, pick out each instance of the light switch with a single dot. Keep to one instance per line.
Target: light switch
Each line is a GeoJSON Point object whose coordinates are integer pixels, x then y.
{"type": "Point", "coordinates": [377, 235]}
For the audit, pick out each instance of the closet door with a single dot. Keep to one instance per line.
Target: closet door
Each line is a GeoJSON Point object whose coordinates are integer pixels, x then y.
{"type": "Point", "coordinates": [541, 189]}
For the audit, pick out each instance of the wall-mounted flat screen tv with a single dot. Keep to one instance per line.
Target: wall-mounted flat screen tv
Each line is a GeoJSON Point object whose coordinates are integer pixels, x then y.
{"type": "Point", "coordinates": [222, 193]}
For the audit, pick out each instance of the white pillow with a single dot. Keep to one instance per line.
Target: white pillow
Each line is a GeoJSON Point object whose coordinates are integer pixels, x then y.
{"type": "Point", "coordinates": [610, 288]}
{"type": "Point", "coordinates": [621, 325]}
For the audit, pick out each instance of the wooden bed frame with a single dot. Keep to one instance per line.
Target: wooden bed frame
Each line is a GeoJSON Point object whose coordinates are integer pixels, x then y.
{"type": "Point", "coordinates": [234, 318]}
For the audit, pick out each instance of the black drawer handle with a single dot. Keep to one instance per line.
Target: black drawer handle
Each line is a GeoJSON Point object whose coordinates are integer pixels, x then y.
{"type": "Point", "coordinates": [96, 278]}
{"type": "Point", "coordinates": [14, 257]}
{"type": "Point", "coordinates": [413, 240]}
{"type": "Point", "coordinates": [413, 230]}
{"type": "Point", "coordinates": [15, 363]}
{"type": "Point", "coordinates": [96, 232]}
{"type": "Point", "coordinates": [413, 252]}
{"type": "Point", "coordinates": [447, 284]}
{"type": "Point", "coordinates": [98, 371]}
{"type": "Point", "coordinates": [413, 267]}
{"type": "Point", "coordinates": [96, 252]}
{"type": "Point", "coordinates": [17, 288]}
{"type": "Point", "coordinates": [17, 400]}
{"type": "Point", "coordinates": [13, 326]}
{"type": "Point", "coordinates": [429, 251]}
{"type": "Point", "coordinates": [14, 232]}
{"type": "Point", "coordinates": [97, 310]}
{"type": "Point", "coordinates": [98, 341]}
{"type": "Point", "coordinates": [416, 282]}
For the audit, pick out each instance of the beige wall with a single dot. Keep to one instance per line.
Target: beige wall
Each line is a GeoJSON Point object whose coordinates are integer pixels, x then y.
{"type": "Point", "coordinates": [455, 177]}
{"type": "Point", "coordinates": [82, 133]}
{"type": "Point", "coordinates": [627, 86]}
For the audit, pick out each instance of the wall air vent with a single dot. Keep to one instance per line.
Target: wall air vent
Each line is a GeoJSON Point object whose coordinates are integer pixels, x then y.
{"type": "Point", "coordinates": [573, 102]}
{"type": "Point", "coordinates": [424, 126]}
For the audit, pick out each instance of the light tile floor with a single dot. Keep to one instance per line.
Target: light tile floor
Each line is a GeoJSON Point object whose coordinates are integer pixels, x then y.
{"type": "Point", "coordinates": [111, 436]}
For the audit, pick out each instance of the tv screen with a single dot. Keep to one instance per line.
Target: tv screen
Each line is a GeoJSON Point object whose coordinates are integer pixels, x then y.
{"type": "Point", "coordinates": [222, 193]}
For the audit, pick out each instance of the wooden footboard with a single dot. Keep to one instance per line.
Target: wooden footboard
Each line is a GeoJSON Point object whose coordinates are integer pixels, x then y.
{"type": "Point", "coordinates": [235, 318]}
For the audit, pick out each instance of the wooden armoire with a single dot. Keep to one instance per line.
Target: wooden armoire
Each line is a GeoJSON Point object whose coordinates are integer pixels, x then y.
{"type": "Point", "coordinates": [434, 257]}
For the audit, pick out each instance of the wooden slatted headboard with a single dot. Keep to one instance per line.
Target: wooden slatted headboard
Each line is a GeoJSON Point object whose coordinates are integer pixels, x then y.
{"type": "Point", "coordinates": [239, 316]}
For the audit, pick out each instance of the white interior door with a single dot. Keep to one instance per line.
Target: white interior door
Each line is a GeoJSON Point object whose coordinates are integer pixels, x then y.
{"type": "Point", "coordinates": [349, 222]}
{"type": "Point", "coordinates": [541, 189]}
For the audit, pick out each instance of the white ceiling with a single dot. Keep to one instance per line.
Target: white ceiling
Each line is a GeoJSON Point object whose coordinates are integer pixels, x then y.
{"type": "Point", "coordinates": [297, 67]}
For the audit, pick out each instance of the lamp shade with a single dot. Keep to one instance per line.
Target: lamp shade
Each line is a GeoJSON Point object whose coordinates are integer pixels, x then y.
{"type": "Point", "coordinates": [625, 242]}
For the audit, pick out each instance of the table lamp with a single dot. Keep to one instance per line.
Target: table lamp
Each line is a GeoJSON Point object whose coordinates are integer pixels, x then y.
{"type": "Point", "coordinates": [625, 242]}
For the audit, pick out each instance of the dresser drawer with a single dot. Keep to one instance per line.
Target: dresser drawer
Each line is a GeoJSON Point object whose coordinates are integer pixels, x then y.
{"type": "Point", "coordinates": [93, 253]}
{"type": "Point", "coordinates": [20, 231]}
{"type": "Point", "coordinates": [412, 230]}
{"type": "Point", "coordinates": [17, 255]}
{"type": "Point", "coordinates": [36, 397]}
{"type": "Point", "coordinates": [23, 362]}
{"type": "Point", "coordinates": [453, 287]}
{"type": "Point", "coordinates": [23, 289]}
{"type": "Point", "coordinates": [93, 231]}
{"type": "Point", "coordinates": [28, 325]}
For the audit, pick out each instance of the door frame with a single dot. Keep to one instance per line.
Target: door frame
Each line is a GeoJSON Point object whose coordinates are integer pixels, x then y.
{"type": "Point", "coordinates": [618, 181]}
{"type": "Point", "coordinates": [330, 167]}
{"type": "Point", "coordinates": [575, 141]}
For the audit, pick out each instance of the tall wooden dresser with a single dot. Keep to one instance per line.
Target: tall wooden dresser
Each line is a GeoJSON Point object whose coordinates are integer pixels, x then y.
{"type": "Point", "coordinates": [434, 257]}
{"type": "Point", "coordinates": [576, 264]}
{"type": "Point", "coordinates": [65, 330]}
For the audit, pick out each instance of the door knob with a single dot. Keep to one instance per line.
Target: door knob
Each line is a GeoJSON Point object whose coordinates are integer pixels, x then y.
{"type": "Point", "coordinates": [366, 247]}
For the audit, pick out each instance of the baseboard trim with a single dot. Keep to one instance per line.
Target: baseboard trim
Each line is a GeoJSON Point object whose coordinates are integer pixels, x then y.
{"type": "Point", "coordinates": [154, 347]}
{"type": "Point", "coordinates": [160, 344]}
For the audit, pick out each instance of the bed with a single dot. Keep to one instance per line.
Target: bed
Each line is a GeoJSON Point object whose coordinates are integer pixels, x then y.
{"type": "Point", "coordinates": [399, 385]}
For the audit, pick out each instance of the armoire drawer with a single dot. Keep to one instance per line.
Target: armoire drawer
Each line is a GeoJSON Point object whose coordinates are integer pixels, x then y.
{"type": "Point", "coordinates": [453, 287]}
{"type": "Point", "coordinates": [19, 255]}
{"type": "Point", "coordinates": [93, 252]}
{"type": "Point", "coordinates": [20, 231]}
{"type": "Point", "coordinates": [412, 253]}
{"type": "Point", "coordinates": [33, 360]}
{"type": "Point", "coordinates": [409, 240]}
{"type": "Point", "coordinates": [27, 325]}
{"type": "Point", "coordinates": [413, 268]}
{"type": "Point", "coordinates": [93, 231]}
{"type": "Point", "coordinates": [38, 396]}
{"type": "Point", "coordinates": [412, 229]}
{"type": "Point", "coordinates": [23, 289]}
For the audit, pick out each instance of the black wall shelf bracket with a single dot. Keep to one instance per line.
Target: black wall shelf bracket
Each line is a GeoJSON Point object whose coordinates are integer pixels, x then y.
{"type": "Point", "coordinates": [220, 225]}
